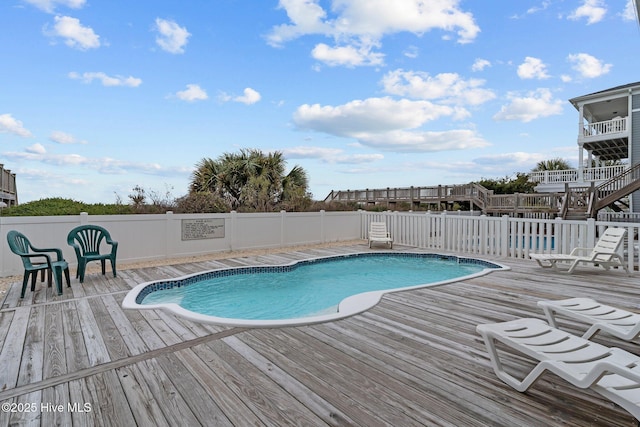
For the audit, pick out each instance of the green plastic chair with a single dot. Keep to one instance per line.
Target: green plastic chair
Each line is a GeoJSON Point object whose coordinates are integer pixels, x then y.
{"type": "Point", "coordinates": [86, 241]}
{"type": "Point", "coordinates": [37, 259]}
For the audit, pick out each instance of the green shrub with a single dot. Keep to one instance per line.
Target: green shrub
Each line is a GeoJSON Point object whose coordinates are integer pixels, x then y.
{"type": "Point", "coordinates": [58, 206]}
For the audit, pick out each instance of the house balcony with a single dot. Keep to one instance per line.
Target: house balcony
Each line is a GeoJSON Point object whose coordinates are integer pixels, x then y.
{"type": "Point", "coordinates": [554, 181]}
{"type": "Point", "coordinates": [608, 129]}
{"type": "Point", "coordinates": [606, 140]}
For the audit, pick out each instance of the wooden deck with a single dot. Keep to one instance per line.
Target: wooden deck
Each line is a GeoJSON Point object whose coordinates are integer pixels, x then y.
{"type": "Point", "coordinates": [414, 359]}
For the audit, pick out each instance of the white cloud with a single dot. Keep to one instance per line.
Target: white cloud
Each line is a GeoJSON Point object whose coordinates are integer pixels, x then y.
{"type": "Point", "coordinates": [50, 5]}
{"type": "Point", "coordinates": [192, 93]}
{"type": "Point", "coordinates": [329, 155]}
{"type": "Point", "coordinates": [349, 56]}
{"type": "Point", "coordinates": [507, 163]}
{"type": "Point", "coordinates": [104, 165]}
{"type": "Point", "coordinates": [105, 79]}
{"type": "Point", "coordinates": [480, 64]}
{"type": "Point", "coordinates": [630, 11]}
{"type": "Point", "coordinates": [430, 141]}
{"type": "Point", "coordinates": [592, 10]}
{"type": "Point", "coordinates": [36, 148]}
{"type": "Point", "coordinates": [64, 138]}
{"type": "Point", "coordinates": [372, 114]}
{"type": "Point", "coordinates": [250, 96]}
{"type": "Point", "coordinates": [536, 9]}
{"type": "Point", "coordinates": [411, 52]}
{"type": "Point", "coordinates": [172, 38]}
{"type": "Point", "coordinates": [74, 34]}
{"type": "Point", "coordinates": [520, 159]}
{"type": "Point", "coordinates": [588, 66]}
{"type": "Point", "coordinates": [306, 17]}
{"type": "Point", "coordinates": [450, 88]}
{"type": "Point", "coordinates": [532, 68]}
{"type": "Point", "coordinates": [534, 105]}
{"type": "Point", "coordinates": [8, 124]}
{"type": "Point", "coordinates": [359, 25]}
{"type": "Point", "coordinates": [387, 124]}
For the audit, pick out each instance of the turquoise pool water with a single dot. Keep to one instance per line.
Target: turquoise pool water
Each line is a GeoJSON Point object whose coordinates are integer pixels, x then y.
{"type": "Point", "coordinates": [308, 288]}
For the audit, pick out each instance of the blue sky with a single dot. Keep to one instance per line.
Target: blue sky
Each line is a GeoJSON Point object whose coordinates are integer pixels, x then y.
{"type": "Point", "coordinates": [97, 97]}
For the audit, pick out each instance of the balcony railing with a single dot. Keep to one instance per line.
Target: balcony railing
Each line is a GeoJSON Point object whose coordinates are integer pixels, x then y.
{"type": "Point", "coordinates": [616, 125]}
{"type": "Point", "coordinates": [598, 174]}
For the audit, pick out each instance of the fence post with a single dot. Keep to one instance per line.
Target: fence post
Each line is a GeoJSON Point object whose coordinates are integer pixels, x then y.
{"type": "Point", "coordinates": [504, 236]}
{"type": "Point", "coordinates": [233, 237]}
{"type": "Point", "coordinates": [283, 213]}
{"type": "Point", "coordinates": [591, 233]}
{"type": "Point", "coordinates": [484, 235]}
{"type": "Point", "coordinates": [559, 236]}
{"type": "Point", "coordinates": [84, 218]}
{"type": "Point", "coordinates": [169, 238]}
{"type": "Point", "coordinates": [443, 231]}
{"type": "Point", "coordinates": [322, 225]}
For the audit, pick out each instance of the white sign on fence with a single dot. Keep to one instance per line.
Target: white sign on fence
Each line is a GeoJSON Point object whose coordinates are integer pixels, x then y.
{"type": "Point", "coordinates": [203, 228]}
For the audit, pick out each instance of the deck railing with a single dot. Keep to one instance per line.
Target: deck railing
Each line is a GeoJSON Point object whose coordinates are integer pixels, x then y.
{"type": "Point", "coordinates": [611, 216]}
{"type": "Point", "coordinates": [616, 125]}
{"type": "Point", "coordinates": [525, 202]}
{"type": "Point", "coordinates": [598, 174]}
{"type": "Point", "coordinates": [429, 195]}
{"type": "Point", "coordinates": [8, 193]}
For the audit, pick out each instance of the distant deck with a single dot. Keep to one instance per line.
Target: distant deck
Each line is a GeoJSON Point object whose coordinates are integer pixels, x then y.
{"type": "Point", "coordinates": [444, 197]}
{"type": "Point", "coordinates": [414, 359]}
{"type": "Point", "coordinates": [8, 192]}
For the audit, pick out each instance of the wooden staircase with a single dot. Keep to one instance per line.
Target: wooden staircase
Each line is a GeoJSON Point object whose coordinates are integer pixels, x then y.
{"type": "Point", "coordinates": [585, 202]}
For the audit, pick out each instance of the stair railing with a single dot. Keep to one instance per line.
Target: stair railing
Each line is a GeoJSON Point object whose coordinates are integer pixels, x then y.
{"type": "Point", "coordinates": [617, 187]}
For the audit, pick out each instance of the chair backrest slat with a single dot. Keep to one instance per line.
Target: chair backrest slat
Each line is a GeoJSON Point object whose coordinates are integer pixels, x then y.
{"type": "Point", "coordinates": [88, 238]}
{"type": "Point", "coordinates": [21, 246]}
{"type": "Point", "coordinates": [610, 241]}
{"type": "Point", "coordinates": [378, 229]}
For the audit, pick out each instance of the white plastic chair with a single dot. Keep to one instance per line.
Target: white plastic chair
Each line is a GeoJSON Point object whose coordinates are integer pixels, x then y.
{"type": "Point", "coordinates": [617, 322]}
{"type": "Point", "coordinates": [378, 233]}
{"type": "Point", "coordinates": [604, 253]}
{"type": "Point", "coordinates": [609, 371]}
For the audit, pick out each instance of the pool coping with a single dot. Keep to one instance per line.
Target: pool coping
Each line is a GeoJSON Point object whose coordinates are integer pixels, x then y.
{"type": "Point", "coordinates": [350, 306]}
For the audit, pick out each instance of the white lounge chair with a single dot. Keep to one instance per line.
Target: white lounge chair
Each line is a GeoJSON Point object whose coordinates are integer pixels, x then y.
{"type": "Point", "coordinates": [612, 372]}
{"type": "Point", "coordinates": [378, 233]}
{"type": "Point", "coordinates": [619, 323]}
{"type": "Point", "coordinates": [604, 253]}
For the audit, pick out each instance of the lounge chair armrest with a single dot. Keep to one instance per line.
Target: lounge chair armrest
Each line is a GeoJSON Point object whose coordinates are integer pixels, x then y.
{"type": "Point", "coordinates": [596, 254]}
{"type": "Point", "coordinates": [577, 251]}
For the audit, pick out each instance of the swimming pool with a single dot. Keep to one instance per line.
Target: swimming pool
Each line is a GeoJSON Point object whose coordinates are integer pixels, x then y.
{"type": "Point", "coordinates": [302, 292]}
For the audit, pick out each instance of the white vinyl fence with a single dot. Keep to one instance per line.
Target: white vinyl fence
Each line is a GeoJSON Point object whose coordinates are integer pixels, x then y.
{"type": "Point", "coordinates": [162, 236]}
{"type": "Point", "coordinates": [499, 236]}
{"type": "Point", "coordinates": [150, 237]}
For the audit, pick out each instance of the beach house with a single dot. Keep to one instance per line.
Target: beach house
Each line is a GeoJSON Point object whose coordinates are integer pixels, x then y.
{"type": "Point", "coordinates": [608, 140]}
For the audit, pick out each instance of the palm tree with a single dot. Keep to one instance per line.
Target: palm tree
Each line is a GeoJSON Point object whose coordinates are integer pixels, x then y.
{"type": "Point", "coordinates": [555, 164]}
{"type": "Point", "coordinates": [251, 180]}
{"type": "Point", "coordinates": [294, 189]}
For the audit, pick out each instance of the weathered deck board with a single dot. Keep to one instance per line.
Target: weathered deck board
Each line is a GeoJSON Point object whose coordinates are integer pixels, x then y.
{"type": "Point", "coordinates": [414, 359]}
